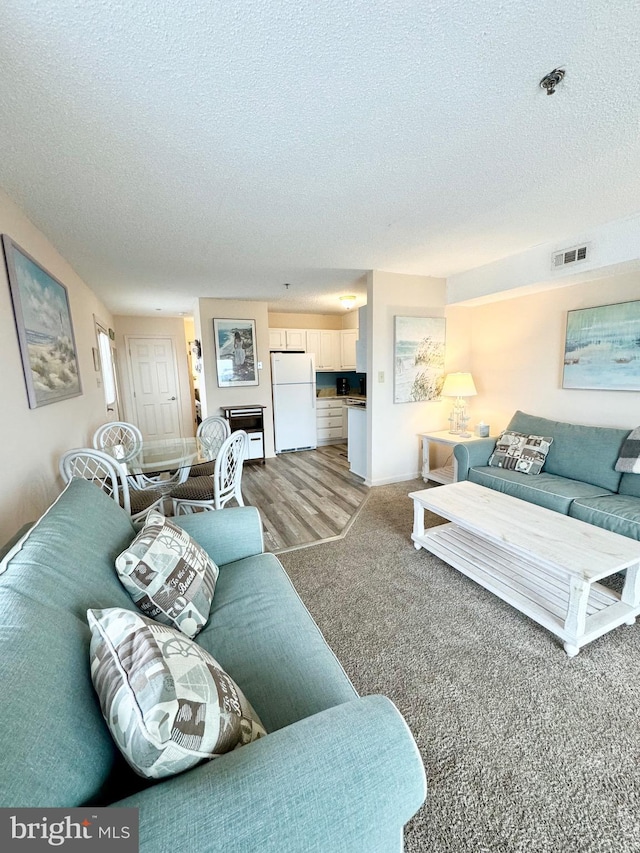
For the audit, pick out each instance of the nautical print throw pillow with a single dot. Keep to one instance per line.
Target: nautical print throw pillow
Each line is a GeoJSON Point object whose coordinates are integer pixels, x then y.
{"type": "Point", "coordinates": [629, 459]}
{"type": "Point", "coordinates": [168, 704]}
{"type": "Point", "coordinates": [168, 575]}
{"type": "Point", "coordinates": [516, 451]}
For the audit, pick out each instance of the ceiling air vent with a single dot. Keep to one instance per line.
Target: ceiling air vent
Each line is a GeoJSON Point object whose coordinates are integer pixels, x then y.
{"type": "Point", "coordinates": [568, 256]}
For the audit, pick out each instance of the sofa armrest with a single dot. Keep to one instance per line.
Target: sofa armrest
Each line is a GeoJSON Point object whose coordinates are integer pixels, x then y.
{"type": "Point", "coordinates": [470, 455]}
{"type": "Point", "coordinates": [225, 534]}
{"type": "Point", "coordinates": [345, 779]}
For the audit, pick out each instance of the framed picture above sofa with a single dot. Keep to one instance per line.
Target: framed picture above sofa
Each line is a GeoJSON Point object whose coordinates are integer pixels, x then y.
{"type": "Point", "coordinates": [602, 348]}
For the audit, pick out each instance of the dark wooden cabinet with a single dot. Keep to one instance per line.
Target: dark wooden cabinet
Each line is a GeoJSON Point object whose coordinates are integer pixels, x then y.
{"type": "Point", "coordinates": [251, 420]}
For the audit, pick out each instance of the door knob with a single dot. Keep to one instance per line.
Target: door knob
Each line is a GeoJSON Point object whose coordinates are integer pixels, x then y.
{"type": "Point", "coordinates": [172, 398]}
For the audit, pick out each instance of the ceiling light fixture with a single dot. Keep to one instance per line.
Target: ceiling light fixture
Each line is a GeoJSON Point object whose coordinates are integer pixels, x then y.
{"type": "Point", "coordinates": [347, 301]}
{"type": "Point", "coordinates": [550, 81]}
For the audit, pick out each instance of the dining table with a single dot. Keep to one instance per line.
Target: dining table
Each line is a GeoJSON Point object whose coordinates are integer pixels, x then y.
{"type": "Point", "coordinates": [162, 463]}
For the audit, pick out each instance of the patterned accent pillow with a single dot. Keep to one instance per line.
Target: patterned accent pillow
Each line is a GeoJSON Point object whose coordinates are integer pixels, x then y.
{"type": "Point", "coordinates": [168, 575]}
{"type": "Point", "coordinates": [629, 459]}
{"type": "Point", "coordinates": [168, 704]}
{"type": "Point", "coordinates": [519, 452]}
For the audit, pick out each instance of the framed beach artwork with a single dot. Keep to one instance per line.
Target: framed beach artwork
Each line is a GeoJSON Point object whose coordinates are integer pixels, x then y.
{"type": "Point", "coordinates": [418, 350]}
{"type": "Point", "coordinates": [235, 342]}
{"type": "Point", "coordinates": [602, 348]}
{"type": "Point", "coordinates": [45, 331]}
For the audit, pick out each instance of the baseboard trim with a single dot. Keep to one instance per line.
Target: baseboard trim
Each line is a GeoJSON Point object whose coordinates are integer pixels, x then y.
{"type": "Point", "coordinates": [399, 478]}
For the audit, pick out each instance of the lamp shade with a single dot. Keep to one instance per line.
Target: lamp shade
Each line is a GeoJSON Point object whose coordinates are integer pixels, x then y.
{"type": "Point", "coordinates": [458, 385]}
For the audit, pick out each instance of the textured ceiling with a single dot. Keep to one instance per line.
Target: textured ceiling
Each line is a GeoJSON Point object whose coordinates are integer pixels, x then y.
{"type": "Point", "coordinates": [175, 150]}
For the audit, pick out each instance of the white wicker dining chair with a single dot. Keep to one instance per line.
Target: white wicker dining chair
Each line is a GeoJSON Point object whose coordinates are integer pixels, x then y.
{"type": "Point", "coordinates": [128, 436]}
{"type": "Point", "coordinates": [214, 430]}
{"type": "Point", "coordinates": [103, 470]}
{"type": "Point", "coordinates": [215, 491]}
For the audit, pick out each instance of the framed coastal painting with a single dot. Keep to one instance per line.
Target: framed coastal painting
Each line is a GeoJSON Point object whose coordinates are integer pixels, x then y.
{"type": "Point", "coordinates": [418, 355]}
{"type": "Point", "coordinates": [45, 331]}
{"type": "Point", "coordinates": [235, 342]}
{"type": "Point", "coordinates": [602, 348]}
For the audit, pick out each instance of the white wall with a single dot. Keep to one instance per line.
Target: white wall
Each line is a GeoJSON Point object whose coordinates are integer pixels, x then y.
{"type": "Point", "coordinates": [393, 428]}
{"type": "Point", "coordinates": [517, 357]}
{"type": "Point", "coordinates": [305, 321]}
{"type": "Point", "coordinates": [159, 327]}
{"type": "Point", "coordinates": [213, 397]}
{"type": "Point", "coordinates": [32, 440]}
{"type": "Point", "coordinates": [613, 248]}
{"type": "Point", "coordinates": [346, 320]}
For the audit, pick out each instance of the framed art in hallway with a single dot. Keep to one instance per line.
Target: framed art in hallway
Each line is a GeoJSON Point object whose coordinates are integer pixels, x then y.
{"type": "Point", "coordinates": [235, 342]}
{"type": "Point", "coordinates": [418, 358]}
{"type": "Point", "coordinates": [602, 348]}
{"type": "Point", "coordinates": [45, 331]}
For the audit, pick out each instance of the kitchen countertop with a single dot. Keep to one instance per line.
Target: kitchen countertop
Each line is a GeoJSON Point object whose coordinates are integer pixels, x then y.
{"type": "Point", "coordinates": [329, 394]}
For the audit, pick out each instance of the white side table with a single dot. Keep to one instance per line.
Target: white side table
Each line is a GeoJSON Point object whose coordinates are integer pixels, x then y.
{"type": "Point", "coordinates": [448, 473]}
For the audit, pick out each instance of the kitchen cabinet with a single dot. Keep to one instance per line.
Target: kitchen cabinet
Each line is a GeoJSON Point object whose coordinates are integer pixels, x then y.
{"type": "Point", "coordinates": [325, 345]}
{"type": "Point", "coordinates": [348, 338]}
{"type": "Point", "coordinates": [334, 349]}
{"type": "Point", "coordinates": [330, 420]}
{"type": "Point", "coordinates": [357, 442]}
{"type": "Point", "coordinates": [361, 343]}
{"type": "Point", "coordinates": [288, 339]}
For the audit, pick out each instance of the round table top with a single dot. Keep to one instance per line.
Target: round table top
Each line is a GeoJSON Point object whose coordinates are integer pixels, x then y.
{"type": "Point", "coordinates": [162, 454]}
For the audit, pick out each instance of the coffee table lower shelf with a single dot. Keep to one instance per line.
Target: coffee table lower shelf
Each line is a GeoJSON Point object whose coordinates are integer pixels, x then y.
{"type": "Point", "coordinates": [540, 592]}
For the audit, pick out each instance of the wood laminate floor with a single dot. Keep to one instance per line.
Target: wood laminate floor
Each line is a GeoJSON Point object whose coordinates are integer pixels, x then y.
{"type": "Point", "coordinates": [304, 497]}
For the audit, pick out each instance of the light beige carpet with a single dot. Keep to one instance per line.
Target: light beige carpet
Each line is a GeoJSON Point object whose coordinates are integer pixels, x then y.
{"type": "Point", "coordinates": [525, 749]}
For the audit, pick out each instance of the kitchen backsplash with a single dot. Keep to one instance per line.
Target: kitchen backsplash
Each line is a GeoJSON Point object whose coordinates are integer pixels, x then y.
{"type": "Point", "coordinates": [329, 380]}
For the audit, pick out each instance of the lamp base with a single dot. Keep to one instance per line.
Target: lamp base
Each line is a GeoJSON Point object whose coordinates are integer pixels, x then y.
{"type": "Point", "coordinates": [458, 419]}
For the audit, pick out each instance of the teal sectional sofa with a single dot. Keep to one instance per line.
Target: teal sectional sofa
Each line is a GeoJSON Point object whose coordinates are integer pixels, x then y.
{"type": "Point", "coordinates": [578, 478]}
{"type": "Point", "coordinates": [336, 772]}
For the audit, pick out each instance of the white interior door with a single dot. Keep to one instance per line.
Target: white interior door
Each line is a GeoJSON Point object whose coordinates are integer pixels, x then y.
{"type": "Point", "coordinates": [154, 372]}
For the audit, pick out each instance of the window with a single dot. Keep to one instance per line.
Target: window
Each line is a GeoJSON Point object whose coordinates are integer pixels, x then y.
{"type": "Point", "coordinates": [106, 366]}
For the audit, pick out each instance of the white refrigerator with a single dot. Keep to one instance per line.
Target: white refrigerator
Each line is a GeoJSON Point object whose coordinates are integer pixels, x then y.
{"type": "Point", "coordinates": [293, 375]}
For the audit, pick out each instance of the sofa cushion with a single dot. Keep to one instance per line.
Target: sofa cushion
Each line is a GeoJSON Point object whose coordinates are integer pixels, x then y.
{"type": "Point", "coordinates": [618, 513]}
{"type": "Point", "coordinates": [578, 452]}
{"type": "Point", "coordinates": [168, 704]}
{"type": "Point", "coordinates": [545, 489]}
{"type": "Point", "coordinates": [280, 658]}
{"type": "Point", "coordinates": [56, 748]}
{"type": "Point", "coordinates": [168, 575]}
{"type": "Point", "coordinates": [516, 451]}
{"type": "Point", "coordinates": [630, 485]}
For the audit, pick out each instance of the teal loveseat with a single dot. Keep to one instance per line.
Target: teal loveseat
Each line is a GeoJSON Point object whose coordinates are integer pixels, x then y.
{"type": "Point", "coordinates": [336, 772]}
{"type": "Point", "coordinates": [578, 478]}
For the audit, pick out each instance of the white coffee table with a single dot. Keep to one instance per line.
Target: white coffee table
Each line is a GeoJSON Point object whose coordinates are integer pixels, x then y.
{"type": "Point", "coordinates": [545, 564]}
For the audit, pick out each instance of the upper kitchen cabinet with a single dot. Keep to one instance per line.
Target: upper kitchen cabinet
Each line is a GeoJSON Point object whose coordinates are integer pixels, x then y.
{"type": "Point", "coordinates": [361, 343]}
{"type": "Point", "coordinates": [288, 339]}
{"type": "Point", "coordinates": [348, 338]}
{"type": "Point", "coordinates": [325, 345]}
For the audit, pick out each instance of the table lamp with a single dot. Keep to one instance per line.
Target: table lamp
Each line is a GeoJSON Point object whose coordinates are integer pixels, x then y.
{"type": "Point", "coordinates": [459, 385]}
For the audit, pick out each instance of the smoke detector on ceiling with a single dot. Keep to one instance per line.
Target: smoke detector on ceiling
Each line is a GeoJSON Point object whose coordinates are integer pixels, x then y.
{"type": "Point", "coordinates": [569, 257]}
